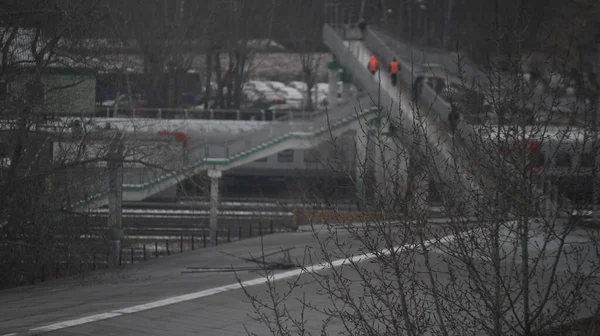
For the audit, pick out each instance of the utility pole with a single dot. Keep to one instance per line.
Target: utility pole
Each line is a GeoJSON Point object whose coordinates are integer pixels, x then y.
{"type": "Point", "coordinates": [215, 176]}
{"type": "Point", "coordinates": [115, 198]}
{"type": "Point", "coordinates": [362, 9]}
{"type": "Point", "coordinates": [596, 187]}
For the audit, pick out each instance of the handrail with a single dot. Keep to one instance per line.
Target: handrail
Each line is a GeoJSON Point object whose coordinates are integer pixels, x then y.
{"type": "Point", "coordinates": [445, 59]}
{"type": "Point", "coordinates": [441, 108]}
{"type": "Point", "coordinates": [289, 118]}
{"type": "Point", "coordinates": [205, 154]}
{"type": "Point", "coordinates": [188, 113]}
{"type": "Point", "coordinates": [207, 162]}
{"type": "Point", "coordinates": [424, 134]}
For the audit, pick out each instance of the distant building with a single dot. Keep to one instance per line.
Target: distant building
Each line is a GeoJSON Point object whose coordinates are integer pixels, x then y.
{"type": "Point", "coordinates": [37, 78]}
{"type": "Point", "coordinates": [63, 91]}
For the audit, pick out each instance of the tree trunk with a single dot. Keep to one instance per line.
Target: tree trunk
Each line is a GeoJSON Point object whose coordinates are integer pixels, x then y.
{"type": "Point", "coordinates": [208, 76]}
{"type": "Point", "coordinates": [239, 79]}
{"type": "Point", "coordinates": [219, 78]}
{"type": "Point", "coordinates": [308, 74]}
{"type": "Point", "coordinates": [171, 89]}
{"type": "Point", "coordinates": [309, 85]}
{"type": "Point", "coordinates": [230, 77]}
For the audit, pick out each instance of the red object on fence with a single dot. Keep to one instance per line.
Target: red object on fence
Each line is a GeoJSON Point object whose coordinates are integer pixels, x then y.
{"type": "Point", "coordinates": [535, 148]}
{"type": "Point", "coordinates": [179, 137]}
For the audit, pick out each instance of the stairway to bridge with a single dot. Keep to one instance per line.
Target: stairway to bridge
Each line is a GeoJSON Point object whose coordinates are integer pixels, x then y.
{"type": "Point", "coordinates": [284, 134]}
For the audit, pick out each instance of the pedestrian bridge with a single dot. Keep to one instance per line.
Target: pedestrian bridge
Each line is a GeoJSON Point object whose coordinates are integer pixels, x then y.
{"type": "Point", "coordinates": [452, 161]}
{"type": "Point", "coordinates": [299, 134]}
{"type": "Point", "coordinates": [431, 135]}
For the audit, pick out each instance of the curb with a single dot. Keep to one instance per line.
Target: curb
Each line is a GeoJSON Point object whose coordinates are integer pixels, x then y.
{"type": "Point", "coordinates": [323, 227]}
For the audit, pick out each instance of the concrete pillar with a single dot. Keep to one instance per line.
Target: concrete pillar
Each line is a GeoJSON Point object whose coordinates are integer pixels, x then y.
{"type": "Point", "coordinates": [115, 199]}
{"type": "Point", "coordinates": [361, 142]}
{"type": "Point", "coordinates": [391, 168]}
{"type": "Point", "coordinates": [547, 204]}
{"type": "Point", "coordinates": [332, 97]}
{"type": "Point", "coordinates": [365, 163]}
{"type": "Point", "coordinates": [421, 193]}
{"type": "Point", "coordinates": [418, 186]}
{"type": "Point", "coordinates": [215, 176]}
{"type": "Point", "coordinates": [345, 91]}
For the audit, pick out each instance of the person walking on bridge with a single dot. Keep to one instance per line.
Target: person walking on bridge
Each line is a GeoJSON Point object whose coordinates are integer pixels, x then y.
{"type": "Point", "coordinates": [373, 65]}
{"type": "Point", "coordinates": [393, 70]}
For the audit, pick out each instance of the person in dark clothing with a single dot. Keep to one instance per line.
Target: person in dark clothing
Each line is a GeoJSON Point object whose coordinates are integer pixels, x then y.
{"type": "Point", "coordinates": [362, 25]}
{"type": "Point", "coordinates": [417, 88]}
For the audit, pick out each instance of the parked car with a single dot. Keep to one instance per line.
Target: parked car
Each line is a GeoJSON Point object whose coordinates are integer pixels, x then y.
{"type": "Point", "coordinates": [292, 96]}
{"type": "Point", "coordinates": [275, 85]}
{"type": "Point", "coordinates": [257, 86]}
{"type": "Point", "coordinates": [272, 98]}
{"type": "Point", "coordinates": [300, 86]}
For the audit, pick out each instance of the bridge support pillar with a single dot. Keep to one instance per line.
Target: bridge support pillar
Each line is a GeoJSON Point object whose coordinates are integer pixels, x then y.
{"type": "Point", "coordinates": [345, 91]}
{"type": "Point", "coordinates": [346, 80]}
{"type": "Point", "coordinates": [332, 95]}
{"type": "Point", "coordinates": [365, 165]}
{"type": "Point", "coordinates": [391, 173]}
{"type": "Point", "coordinates": [115, 200]}
{"type": "Point", "coordinates": [333, 74]}
{"type": "Point", "coordinates": [215, 176]}
{"type": "Point", "coordinates": [418, 187]}
{"type": "Point", "coordinates": [421, 194]}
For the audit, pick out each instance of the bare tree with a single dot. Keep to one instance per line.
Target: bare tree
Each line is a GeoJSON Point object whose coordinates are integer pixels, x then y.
{"type": "Point", "coordinates": [238, 31]}
{"type": "Point", "coordinates": [48, 164]}
{"type": "Point", "coordinates": [508, 255]}
{"type": "Point", "coordinates": [302, 22]}
{"type": "Point", "coordinates": [168, 45]}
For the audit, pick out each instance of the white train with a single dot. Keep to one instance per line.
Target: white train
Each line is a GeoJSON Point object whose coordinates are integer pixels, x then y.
{"type": "Point", "coordinates": [563, 155]}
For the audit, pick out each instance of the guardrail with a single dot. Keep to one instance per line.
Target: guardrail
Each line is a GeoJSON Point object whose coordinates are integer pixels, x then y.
{"type": "Point", "coordinates": [280, 128]}
{"type": "Point", "coordinates": [50, 266]}
{"type": "Point", "coordinates": [450, 66]}
{"type": "Point", "coordinates": [192, 113]}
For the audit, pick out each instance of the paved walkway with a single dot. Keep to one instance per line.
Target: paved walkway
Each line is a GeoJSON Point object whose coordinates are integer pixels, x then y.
{"type": "Point", "coordinates": [184, 286]}
{"type": "Point", "coordinates": [186, 294]}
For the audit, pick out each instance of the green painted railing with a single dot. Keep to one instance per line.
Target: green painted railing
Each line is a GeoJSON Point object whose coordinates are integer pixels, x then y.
{"type": "Point", "coordinates": [203, 164]}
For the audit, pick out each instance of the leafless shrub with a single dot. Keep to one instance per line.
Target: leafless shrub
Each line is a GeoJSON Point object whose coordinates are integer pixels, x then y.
{"type": "Point", "coordinates": [510, 256]}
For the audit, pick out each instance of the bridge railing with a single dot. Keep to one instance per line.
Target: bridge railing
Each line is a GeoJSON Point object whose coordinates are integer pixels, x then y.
{"type": "Point", "coordinates": [291, 123]}
{"type": "Point", "coordinates": [191, 113]}
{"type": "Point", "coordinates": [386, 48]}
{"type": "Point", "coordinates": [454, 64]}
{"type": "Point", "coordinates": [444, 152]}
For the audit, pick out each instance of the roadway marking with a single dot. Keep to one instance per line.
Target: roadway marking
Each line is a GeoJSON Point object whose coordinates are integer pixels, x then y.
{"type": "Point", "coordinates": [231, 287]}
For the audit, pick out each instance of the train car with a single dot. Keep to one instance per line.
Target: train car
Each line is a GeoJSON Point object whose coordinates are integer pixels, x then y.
{"type": "Point", "coordinates": [562, 155]}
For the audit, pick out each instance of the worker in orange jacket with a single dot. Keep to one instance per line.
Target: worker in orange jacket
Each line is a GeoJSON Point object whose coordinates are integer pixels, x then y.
{"type": "Point", "coordinates": [393, 70]}
{"type": "Point", "coordinates": [372, 65]}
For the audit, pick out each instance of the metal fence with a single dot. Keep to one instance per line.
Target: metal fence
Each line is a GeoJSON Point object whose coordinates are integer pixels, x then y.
{"type": "Point", "coordinates": [21, 264]}
{"type": "Point", "coordinates": [191, 113]}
